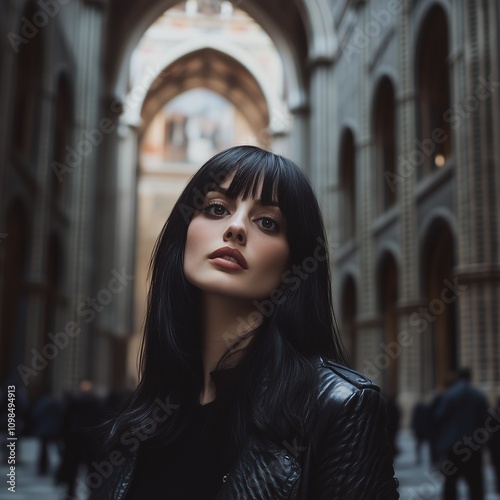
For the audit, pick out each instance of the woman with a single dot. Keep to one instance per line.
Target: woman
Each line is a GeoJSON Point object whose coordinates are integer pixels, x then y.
{"type": "Point", "coordinates": [241, 395]}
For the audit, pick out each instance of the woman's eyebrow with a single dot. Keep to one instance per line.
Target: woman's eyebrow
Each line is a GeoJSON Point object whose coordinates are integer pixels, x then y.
{"type": "Point", "coordinates": [258, 201]}
{"type": "Point", "coordinates": [218, 189]}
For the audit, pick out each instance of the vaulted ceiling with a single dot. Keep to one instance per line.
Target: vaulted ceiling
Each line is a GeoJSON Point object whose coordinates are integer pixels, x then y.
{"type": "Point", "coordinates": [128, 20]}
{"type": "Point", "coordinates": [213, 70]}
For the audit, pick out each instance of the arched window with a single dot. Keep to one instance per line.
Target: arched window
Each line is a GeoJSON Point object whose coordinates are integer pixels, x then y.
{"type": "Point", "coordinates": [433, 146]}
{"type": "Point", "coordinates": [441, 340]}
{"type": "Point", "coordinates": [384, 133]}
{"type": "Point", "coordinates": [347, 186]}
{"type": "Point", "coordinates": [28, 94]}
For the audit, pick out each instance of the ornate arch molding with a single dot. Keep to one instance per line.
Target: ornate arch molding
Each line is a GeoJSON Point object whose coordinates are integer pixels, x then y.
{"type": "Point", "coordinates": [215, 70]}
{"type": "Point", "coordinates": [129, 20]}
{"type": "Point", "coordinates": [421, 16]}
{"type": "Point", "coordinates": [135, 101]}
{"type": "Point", "coordinates": [320, 29]}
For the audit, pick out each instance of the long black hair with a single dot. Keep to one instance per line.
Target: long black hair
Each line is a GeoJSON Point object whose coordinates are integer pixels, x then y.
{"type": "Point", "coordinates": [276, 376]}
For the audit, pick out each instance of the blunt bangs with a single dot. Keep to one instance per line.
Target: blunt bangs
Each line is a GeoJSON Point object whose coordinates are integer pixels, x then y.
{"type": "Point", "coordinates": [252, 169]}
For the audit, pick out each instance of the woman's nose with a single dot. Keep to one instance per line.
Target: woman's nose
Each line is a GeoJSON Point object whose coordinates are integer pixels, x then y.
{"type": "Point", "coordinates": [236, 232]}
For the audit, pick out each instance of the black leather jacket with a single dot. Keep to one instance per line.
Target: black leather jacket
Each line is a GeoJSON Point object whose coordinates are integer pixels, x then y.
{"type": "Point", "coordinates": [348, 457]}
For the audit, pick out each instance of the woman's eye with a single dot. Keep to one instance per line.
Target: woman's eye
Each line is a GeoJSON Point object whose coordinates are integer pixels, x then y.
{"type": "Point", "coordinates": [215, 209]}
{"type": "Point", "coordinates": [269, 224]}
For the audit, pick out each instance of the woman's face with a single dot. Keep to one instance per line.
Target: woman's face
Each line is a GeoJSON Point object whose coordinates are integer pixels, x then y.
{"type": "Point", "coordinates": [236, 247]}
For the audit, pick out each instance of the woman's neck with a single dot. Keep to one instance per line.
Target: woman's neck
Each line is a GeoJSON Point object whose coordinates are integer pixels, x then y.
{"type": "Point", "coordinates": [223, 321]}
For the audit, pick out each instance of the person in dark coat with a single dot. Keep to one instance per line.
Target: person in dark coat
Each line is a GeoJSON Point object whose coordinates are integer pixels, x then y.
{"type": "Point", "coordinates": [393, 423]}
{"type": "Point", "coordinates": [420, 427]}
{"type": "Point", "coordinates": [461, 411]}
{"type": "Point", "coordinates": [495, 448]}
{"type": "Point", "coordinates": [47, 416]}
{"type": "Point", "coordinates": [84, 411]}
{"type": "Point", "coordinates": [434, 432]}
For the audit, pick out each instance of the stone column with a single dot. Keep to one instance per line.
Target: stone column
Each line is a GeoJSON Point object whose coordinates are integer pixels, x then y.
{"type": "Point", "coordinates": [116, 239]}
{"type": "Point", "coordinates": [298, 138]}
{"type": "Point", "coordinates": [322, 166]}
{"type": "Point", "coordinates": [371, 357]}
{"type": "Point", "coordinates": [126, 204]}
{"type": "Point", "coordinates": [410, 341]}
{"type": "Point", "coordinates": [36, 336]}
{"type": "Point", "coordinates": [320, 121]}
{"type": "Point", "coordinates": [87, 45]}
{"type": "Point", "coordinates": [7, 99]}
{"type": "Point", "coordinates": [478, 182]}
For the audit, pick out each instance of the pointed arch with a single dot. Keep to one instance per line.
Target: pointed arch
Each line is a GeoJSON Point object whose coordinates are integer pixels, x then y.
{"type": "Point", "coordinates": [135, 101]}
{"type": "Point", "coordinates": [433, 89]}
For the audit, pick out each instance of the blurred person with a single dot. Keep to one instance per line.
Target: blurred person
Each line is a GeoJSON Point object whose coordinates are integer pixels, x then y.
{"type": "Point", "coordinates": [461, 410]}
{"type": "Point", "coordinates": [495, 448]}
{"type": "Point", "coordinates": [83, 412]}
{"type": "Point", "coordinates": [241, 392]}
{"type": "Point", "coordinates": [434, 430]}
{"type": "Point", "coordinates": [420, 427]}
{"type": "Point", "coordinates": [47, 419]}
{"type": "Point", "coordinates": [393, 423]}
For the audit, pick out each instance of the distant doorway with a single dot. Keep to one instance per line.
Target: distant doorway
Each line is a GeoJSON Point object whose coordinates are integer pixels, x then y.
{"type": "Point", "coordinates": [438, 263]}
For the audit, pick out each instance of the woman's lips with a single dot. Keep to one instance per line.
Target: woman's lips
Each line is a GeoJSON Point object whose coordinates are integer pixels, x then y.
{"type": "Point", "coordinates": [229, 258]}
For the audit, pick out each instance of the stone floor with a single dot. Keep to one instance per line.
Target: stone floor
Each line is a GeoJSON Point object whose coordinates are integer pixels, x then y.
{"type": "Point", "coordinates": [416, 481]}
{"type": "Point", "coordinates": [421, 482]}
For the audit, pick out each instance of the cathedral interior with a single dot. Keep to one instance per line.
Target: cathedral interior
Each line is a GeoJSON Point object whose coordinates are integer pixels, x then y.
{"type": "Point", "coordinates": [391, 108]}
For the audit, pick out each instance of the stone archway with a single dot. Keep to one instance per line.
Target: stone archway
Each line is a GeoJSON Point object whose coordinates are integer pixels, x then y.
{"type": "Point", "coordinates": [441, 338]}
{"type": "Point", "coordinates": [214, 70]}
{"type": "Point", "coordinates": [387, 285]}
{"type": "Point", "coordinates": [216, 50]}
{"type": "Point", "coordinates": [299, 36]}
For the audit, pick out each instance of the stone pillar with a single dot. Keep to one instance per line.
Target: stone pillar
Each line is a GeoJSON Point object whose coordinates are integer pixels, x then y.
{"type": "Point", "coordinates": [322, 166]}
{"type": "Point", "coordinates": [8, 64]}
{"type": "Point", "coordinates": [36, 280]}
{"type": "Point", "coordinates": [126, 223]}
{"type": "Point", "coordinates": [81, 258]}
{"type": "Point", "coordinates": [371, 358]}
{"type": "Point", "coordinates": [116, 240]}
{"type": "Point", "coordinates": [7, 98]}
{"type": "Point", "coordinates": [478, 207]}
{"type": "Point", "coordinates": [410, 365]}
{"type": "Point", "coordinates": [319, 127]}
{"type": "Point", "coordinates": [298, 138]}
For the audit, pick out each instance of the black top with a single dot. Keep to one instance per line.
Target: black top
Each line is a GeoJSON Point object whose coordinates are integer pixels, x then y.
{"type": "Point", "coordinates": [194, 465]}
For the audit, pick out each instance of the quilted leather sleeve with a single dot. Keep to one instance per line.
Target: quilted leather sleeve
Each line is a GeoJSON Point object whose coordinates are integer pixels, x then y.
{"type": "Point", "coordinates": [352, 457]}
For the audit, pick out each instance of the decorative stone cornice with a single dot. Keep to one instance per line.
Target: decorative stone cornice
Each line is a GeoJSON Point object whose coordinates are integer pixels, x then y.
{"type": "Point", "coordinates": [476, 273]}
